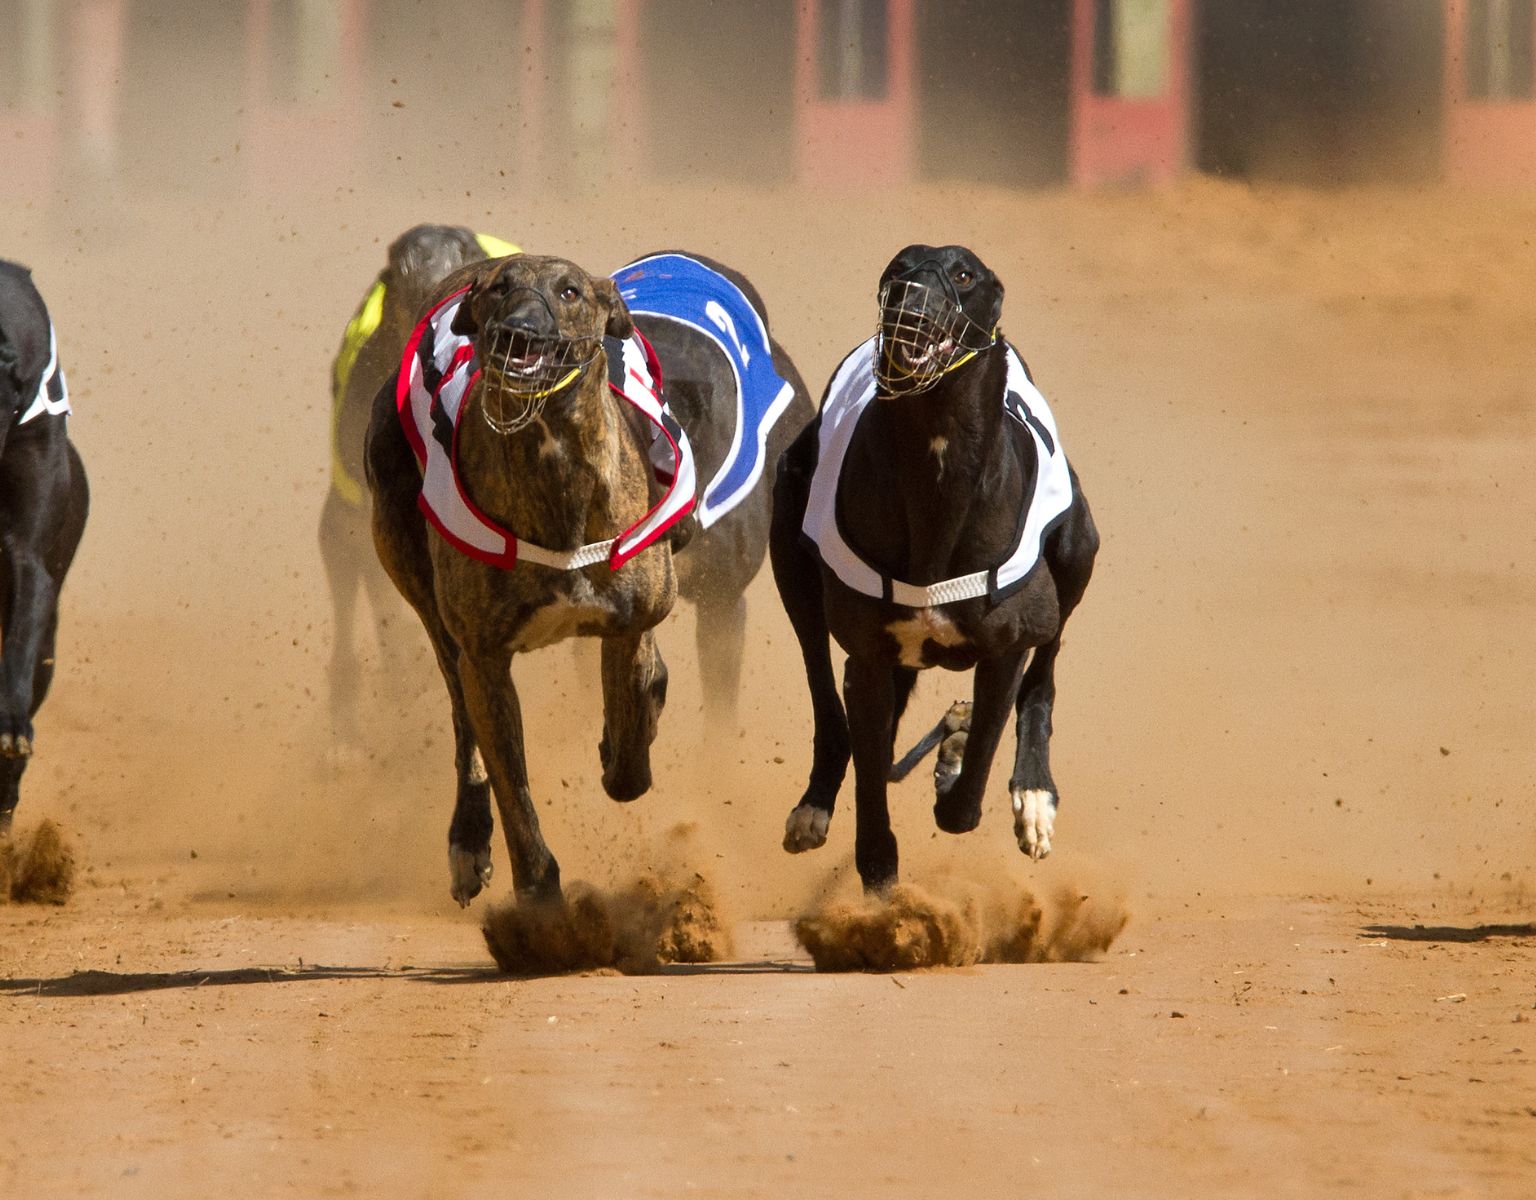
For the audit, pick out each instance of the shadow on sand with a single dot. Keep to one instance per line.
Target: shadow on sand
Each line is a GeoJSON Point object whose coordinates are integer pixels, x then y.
{"type": "Point", "coordinates": [114, 983]}
{"type": "Point", "coordinates": [1448, 933]}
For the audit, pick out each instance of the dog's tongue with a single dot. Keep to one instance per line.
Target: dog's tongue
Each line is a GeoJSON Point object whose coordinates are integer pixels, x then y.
{"type": "Point", "coordinates": [524, 355]}
{"type": "Point", "coordinates": [917, 357]}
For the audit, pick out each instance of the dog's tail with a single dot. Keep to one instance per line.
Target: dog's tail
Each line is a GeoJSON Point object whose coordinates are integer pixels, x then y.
{"type": "Point", "coordinates": [951, 730]}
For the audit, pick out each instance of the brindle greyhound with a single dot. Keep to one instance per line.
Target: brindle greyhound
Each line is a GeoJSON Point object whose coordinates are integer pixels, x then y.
{"type": "Point", "coordinates": [721, 561]}
{"type": "Point", "coordinates": [419, 259]}
{"type": "Point", "coordinates": [936, 475]}
{"type": "Point", "coordinates": [43, 504]}
{"type": "Point", "coordinates": [577, 474]}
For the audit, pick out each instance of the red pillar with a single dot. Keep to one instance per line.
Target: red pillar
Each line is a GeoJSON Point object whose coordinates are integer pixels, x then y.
{"type": "Point", "coordinates": [293, 145]}
{"type": "Point", "coordinates": [854, 141]}
{"type": "Point", "coordinates": [1487, 140]}
{"type": "Point", "coordinates": [1126, 139]}
{"type": "Point", "coordinates": [30, 129]}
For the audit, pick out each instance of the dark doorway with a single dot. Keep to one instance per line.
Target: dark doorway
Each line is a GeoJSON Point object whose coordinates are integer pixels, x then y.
{"type": "Point", "coordinates": [1320, 91]}
{"type": "Point", "coordinates": [718, 83]}
{"type": "Point", "coordinates": [993, 90]}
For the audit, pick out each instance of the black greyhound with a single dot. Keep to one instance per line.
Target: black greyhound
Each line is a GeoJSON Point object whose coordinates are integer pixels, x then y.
{"type": "Point", "coordinates": [43, 503]}
{"type": "Point", "coordinates": [950, 471]}
{"type": "Point", "coordinates": [419, 259]}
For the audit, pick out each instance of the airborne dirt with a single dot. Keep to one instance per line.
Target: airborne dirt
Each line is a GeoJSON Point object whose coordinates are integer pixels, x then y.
{"type": "Point", "coordinates": [1293, 739]}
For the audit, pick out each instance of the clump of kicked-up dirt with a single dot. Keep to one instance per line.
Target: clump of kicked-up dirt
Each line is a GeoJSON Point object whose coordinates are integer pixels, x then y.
{"type": "Point", "coordinates": [958, 924]}
{"type": "Point", "coordinates": [38, 867]}
{"type": "Point", "coordinates": [635, 929]}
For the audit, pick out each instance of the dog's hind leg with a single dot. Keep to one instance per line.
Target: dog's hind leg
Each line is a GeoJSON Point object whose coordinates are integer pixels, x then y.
{"type": "Point", "coordinates": [344, 578]}
{"type": "Point", "coordinates": [634, 693]}
{"type": "Point", "coordinates": [721, 637]}
{"type": "Point", "coordinates": [904, 680]}
{"type": "Point", "coordinates": [11, 770]}
{"type": "Point", "coordinates": [870, 692]}
{"type": "Point", "coordinates": [1031, 786]}
{"type": "Point", "coordinates": [390, 629]}
{"type": "Point", "coordinates": [30, 618]}
{"type": "Point", "coordinates": [1070, 552]}
{"type": "Point", "coordinates": [994, 690]}
{"type": "Point", "coordinates": [496, 719]}
{"type": "Point", "coordinates": [798, 577]}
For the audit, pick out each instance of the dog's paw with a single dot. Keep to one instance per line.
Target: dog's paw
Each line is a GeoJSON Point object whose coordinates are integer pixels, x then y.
{"type": "Point", "coordinates": [469, 873]}
{"type": "Point", "coordinates": [16, 739]}
{"type": "Point", "coordinates": [806, 828]}
{"type": "Point", "coordinates": [1034, 820]}
{"type": "Point", "coordinates": [343, 754]}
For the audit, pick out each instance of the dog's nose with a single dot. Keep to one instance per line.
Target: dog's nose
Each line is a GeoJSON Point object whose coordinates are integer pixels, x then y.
{"type": "Point", "coordinates": [529, 318]}
{"type": "Point", "coordinates": [527, 314]}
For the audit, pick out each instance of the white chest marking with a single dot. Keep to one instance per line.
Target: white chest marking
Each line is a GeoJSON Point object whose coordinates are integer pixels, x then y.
{"type": "Point", "coordinates": [938, 445]}
{"type": "Point", "coordinates": [558, 621]}
{"type": "Point", "coordinates": [549, 447]}
{"type": "Point", "coordinates": [926, 625]}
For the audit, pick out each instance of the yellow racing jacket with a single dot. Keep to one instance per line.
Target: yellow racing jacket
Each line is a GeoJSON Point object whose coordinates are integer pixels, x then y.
{"type": "Point", "coordinates": [363, 325]}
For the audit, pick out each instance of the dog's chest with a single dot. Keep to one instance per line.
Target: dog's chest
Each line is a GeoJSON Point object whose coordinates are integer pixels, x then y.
{"type": "Point", "coordinates": [952, 636]}
{"type": "Point", "coordinates": [928, 638]}
{"type": "Point", "coordinates": [558, 620]}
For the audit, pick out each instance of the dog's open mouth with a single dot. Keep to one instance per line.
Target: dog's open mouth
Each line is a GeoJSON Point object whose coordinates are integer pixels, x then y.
{"type": "Point", "coordinates": [521, 356]}
{"type": "Point", "coordinates": [920, 353]}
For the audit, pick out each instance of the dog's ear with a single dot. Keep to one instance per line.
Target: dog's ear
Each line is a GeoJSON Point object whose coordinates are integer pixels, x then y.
{"type": "Point", "coordinates": [466, 321]}
{"type": "Point", "coordinates": [619, 324]}
{"type": "Point", "coordinates": [997, 300]}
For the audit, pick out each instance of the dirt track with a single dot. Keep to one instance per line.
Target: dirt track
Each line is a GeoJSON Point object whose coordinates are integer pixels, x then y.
{"type": "Point", "coordinates": [1293, 725]}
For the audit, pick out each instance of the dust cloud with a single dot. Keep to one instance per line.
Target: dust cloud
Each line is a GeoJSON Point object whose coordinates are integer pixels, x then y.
{"type": "Point", "coordinates": [37, 867]}
{"type": "Point", "coordinates": [636, 929]}
{"type": "Point", "coordinates": [667, 914]}
{"type": "Point", "coordinates": [954, 921]}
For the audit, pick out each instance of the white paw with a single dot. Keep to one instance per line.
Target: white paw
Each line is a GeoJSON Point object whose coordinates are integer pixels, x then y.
{"type": "Point", "coordinates": [806, 828]}
{"type": "Point", "coordinates": [469, 871]}
{"type": "Point", "coordinates": [1034, 820]}
{"type": "Point", "coordinates": [343, 754]}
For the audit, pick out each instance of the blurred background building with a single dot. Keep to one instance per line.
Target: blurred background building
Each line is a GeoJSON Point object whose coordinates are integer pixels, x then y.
{"type": "Point", "coordinates": [280, 96]}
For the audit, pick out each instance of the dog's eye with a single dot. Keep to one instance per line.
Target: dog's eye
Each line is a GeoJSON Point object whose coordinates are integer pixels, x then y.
{"type": "Point", "coordinates": [569, 293]}
{"type": "Point", "coordinates": [963, 277]}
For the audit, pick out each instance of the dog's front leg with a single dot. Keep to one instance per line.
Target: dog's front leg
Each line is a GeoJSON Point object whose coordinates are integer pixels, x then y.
{"type": "Point", "coordinates": [1033, 789]}
{"type": "Point", "coordinates": [29, 622]}
{"type": "Point", "coordinates": [869, 692]}
{"type": "Point", "coordinates": [634, 693]}
{"type": "Point", "coordinates": [994, 689]}
{"type": "Point", "coordinates": [798, 578]}
{"type": "Point", "coordinates": [496, 718]}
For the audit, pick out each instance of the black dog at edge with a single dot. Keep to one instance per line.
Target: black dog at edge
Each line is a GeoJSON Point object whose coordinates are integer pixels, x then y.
{"type": "Point", "coordinates": [932, 489]}
{"type": "Point", "coordinates": [43, 503]}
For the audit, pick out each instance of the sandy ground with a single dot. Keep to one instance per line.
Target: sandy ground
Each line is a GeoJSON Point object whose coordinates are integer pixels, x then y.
{"type": "Point", "coordinates": [1292, 737]}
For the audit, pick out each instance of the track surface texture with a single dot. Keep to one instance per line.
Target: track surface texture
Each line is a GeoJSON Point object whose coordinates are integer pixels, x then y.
{"type": "Point", "coordinates": [1293, 740]}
